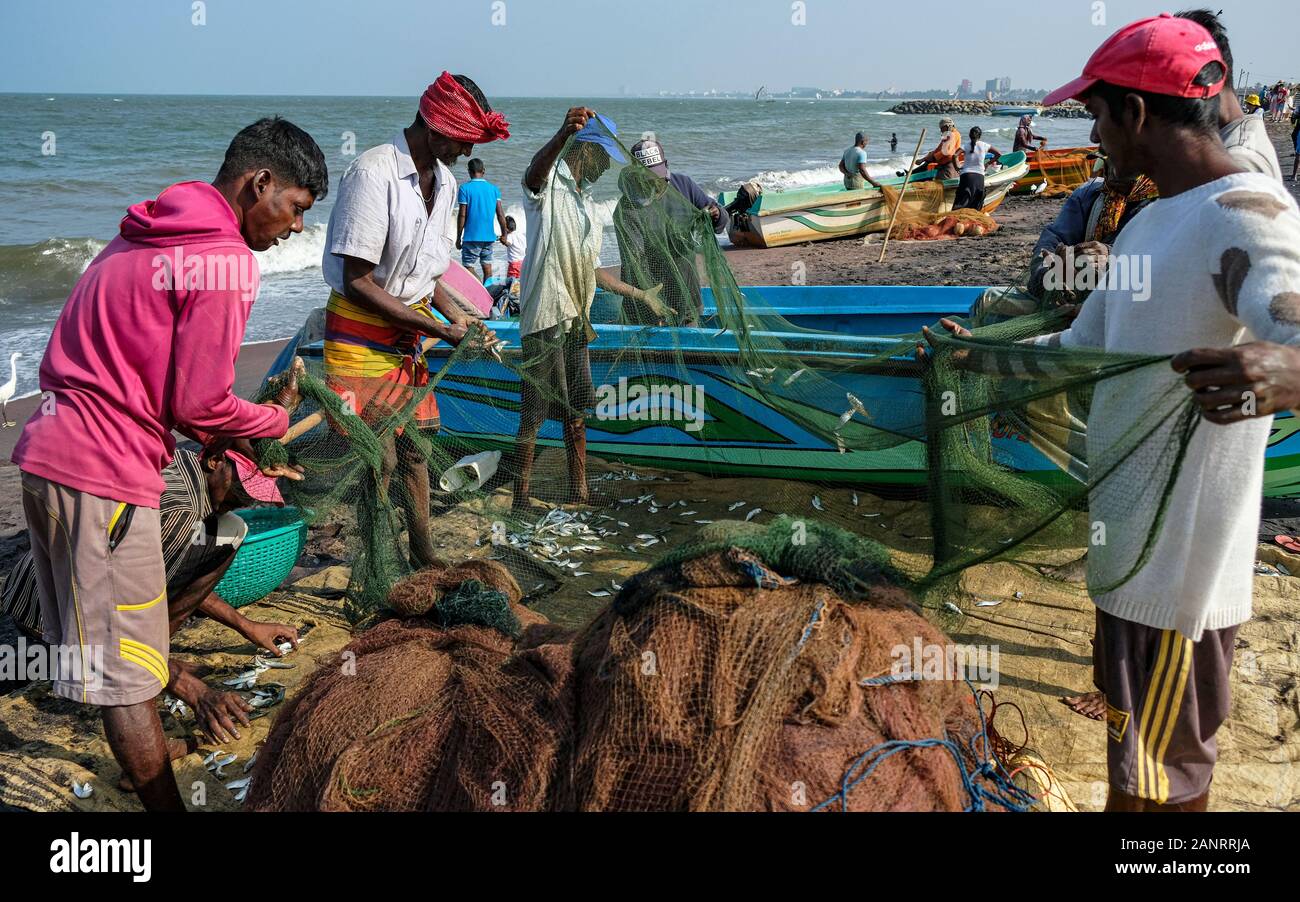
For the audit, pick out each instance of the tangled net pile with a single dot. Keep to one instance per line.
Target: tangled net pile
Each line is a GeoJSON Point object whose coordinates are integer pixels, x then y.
{"type": "Point", "coordinates": [716, 683]}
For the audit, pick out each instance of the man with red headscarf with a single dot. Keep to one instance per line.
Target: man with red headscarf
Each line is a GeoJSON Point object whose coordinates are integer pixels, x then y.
{"type": "Point", "coordinates": [390, 240]}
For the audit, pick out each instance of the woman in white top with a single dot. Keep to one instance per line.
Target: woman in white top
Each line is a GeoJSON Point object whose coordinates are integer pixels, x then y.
{"type": "Point", "coordinates": [970, 190]}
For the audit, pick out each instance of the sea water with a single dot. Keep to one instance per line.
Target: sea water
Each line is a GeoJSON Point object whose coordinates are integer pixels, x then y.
{"type": "Point", "coordinates": [70, 165]}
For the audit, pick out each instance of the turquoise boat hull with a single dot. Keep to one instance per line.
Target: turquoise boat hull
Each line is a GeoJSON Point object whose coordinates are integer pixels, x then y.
{"type": "Point", "coordinates": [749, 429]}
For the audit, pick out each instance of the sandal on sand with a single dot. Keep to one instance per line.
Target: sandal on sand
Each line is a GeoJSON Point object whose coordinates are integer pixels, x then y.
{"type": "Point", "coordinates": [1288, 543]}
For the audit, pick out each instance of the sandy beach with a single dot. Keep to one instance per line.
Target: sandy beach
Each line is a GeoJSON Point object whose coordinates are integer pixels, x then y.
{"type": "Point", "coordinates": [1043, 629]}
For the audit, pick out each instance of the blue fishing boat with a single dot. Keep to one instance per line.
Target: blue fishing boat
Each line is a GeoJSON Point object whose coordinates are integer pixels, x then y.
{"type": "Point", "coordinates": [671, 397]}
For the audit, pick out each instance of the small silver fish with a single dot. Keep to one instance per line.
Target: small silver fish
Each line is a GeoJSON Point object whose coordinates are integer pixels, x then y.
{"type": "Point", "coordinates": [793, 376]}
{"type": "Point", "coordinates": [857, 406]}
{"type": "Point", "coordinates": [599, 594]}
{"type": "Point", "coordinates": [82, 790]}
{"type": "Point", "coordinates": [736, 505]}
{"type": "Point", "coordinates": [752, 514]}
{"type": "Point", "coordinates": [817, 503]}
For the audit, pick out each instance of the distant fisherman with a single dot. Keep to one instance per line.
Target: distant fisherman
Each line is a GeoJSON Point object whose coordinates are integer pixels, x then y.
{"type": "Point", "coordinates": [853, 165]}
{"type": "Point", "coordinates": [1025, 136]}
{"type": "Point", "coordinates": [944, 156]}
{"type": "Point", "coordinates": [660, 237]}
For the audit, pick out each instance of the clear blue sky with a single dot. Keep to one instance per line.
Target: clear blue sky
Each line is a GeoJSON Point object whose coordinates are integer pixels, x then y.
{"type": "Point", "coordinates": [574, 48]}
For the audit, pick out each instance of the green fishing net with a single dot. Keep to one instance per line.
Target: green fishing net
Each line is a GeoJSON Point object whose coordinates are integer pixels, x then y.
{"type": "Point", "coordinates": [712, 404]}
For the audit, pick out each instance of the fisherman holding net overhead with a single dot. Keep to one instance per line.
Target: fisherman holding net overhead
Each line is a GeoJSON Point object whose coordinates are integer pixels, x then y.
{"type": "Point", "coordinates": [389, 241]}
{"type": "Point", "coordinates": [560, 277]}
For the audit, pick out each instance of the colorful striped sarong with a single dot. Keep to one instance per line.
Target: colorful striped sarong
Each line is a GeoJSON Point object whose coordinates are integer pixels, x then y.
{"type": "Point", "coordinates": [376, 365]}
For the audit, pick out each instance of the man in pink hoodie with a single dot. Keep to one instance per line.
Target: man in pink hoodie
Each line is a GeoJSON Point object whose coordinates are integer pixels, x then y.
{"type": "Point", "coordinates": [146, 344]}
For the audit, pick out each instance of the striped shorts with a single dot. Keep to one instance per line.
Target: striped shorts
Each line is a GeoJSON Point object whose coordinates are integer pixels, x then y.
{"type": "Point", "coordinates": [1166, 697]}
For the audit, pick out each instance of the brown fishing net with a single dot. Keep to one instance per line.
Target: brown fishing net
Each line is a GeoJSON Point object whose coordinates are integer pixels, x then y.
{"type": "Point", "coordinates": [713, 683]}
{"type": "Point", "coordinates": [1063, 170]}
{"type": "Point", "coordinates": [701, 691]}
{"type": "Point", "coordinates": [923, 215]}
{"type": "Point", "coordinates": [419, 717]}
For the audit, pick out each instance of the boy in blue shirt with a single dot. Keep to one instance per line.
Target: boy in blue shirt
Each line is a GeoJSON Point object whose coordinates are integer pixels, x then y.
{"type": "Point", "coordinates": [480, 202]}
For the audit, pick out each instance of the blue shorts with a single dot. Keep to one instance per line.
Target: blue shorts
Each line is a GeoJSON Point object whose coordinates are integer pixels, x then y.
{"type": "Point", "coordinates": [471, 252]}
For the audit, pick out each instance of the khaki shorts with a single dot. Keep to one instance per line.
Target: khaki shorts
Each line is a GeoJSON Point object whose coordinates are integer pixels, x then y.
{"type": "Point", "coordinates": [103, 593]}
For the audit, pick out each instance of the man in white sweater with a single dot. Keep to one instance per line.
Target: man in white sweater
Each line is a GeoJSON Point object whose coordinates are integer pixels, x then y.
{"type": "Point", "coordinates": [1223, 249]}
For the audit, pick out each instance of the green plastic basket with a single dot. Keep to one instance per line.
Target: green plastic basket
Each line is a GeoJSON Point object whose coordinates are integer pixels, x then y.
{"type": "Point", "coordinates": [276, 536]}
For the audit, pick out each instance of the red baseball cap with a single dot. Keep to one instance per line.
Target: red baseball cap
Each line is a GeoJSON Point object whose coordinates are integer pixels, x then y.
{"type": "Point", "coordinates": [1160, 55]}
{"type": "Point", "coordinates": [258, 486]}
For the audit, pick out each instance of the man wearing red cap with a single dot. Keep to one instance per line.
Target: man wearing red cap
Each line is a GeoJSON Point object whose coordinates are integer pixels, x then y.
{"type": "Point", "coordinates": [1222, 247]}
{"type": "Point", "coordinates": [200, 536]}
{"type": "Point", "coordinates": [390, 240]}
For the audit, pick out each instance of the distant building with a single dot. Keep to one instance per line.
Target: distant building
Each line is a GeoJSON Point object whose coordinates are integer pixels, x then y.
{"type": "Point", "coordinates": [966, 87]}
{"type": "Point", "coordinates": [1004, 85]}
{"type": "Point", "coordinates": [991, 86]}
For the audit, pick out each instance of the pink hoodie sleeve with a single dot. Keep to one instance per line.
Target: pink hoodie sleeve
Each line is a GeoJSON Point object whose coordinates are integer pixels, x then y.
{"type": "Point", "coordinates": [209, 330]}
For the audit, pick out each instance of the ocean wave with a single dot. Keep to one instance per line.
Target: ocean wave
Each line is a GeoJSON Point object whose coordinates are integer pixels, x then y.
{"type": "Point", "coordinates": [298, 253]}
{"type": "Point", "coordinates": [47, 270]}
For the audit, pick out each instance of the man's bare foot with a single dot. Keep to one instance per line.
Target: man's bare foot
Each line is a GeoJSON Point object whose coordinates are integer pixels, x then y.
{"type": "Point", "coordinates": [1073, 572]}
{"type": "Point", "coordinates": [176, 750]}
{"type": "Point", "coordinates": [1091, 705]}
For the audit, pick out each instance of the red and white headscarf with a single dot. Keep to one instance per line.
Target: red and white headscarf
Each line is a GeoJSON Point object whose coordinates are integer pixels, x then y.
{"type": "Point", "coordinates": [450, 110]}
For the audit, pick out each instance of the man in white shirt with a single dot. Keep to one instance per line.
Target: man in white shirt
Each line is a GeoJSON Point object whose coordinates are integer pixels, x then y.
{"type": "Point", "coordinates": [1173, 583]}
{"type": "Point", "coordinates": [389, 241]}
{"type": "Point", "coordinates": [560, 276]}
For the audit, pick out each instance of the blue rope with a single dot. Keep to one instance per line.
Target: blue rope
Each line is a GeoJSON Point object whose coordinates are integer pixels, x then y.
{"type": "Point", "coordinates": [987, 783]}
{"type": "Point", "coordinates": [890, 680]}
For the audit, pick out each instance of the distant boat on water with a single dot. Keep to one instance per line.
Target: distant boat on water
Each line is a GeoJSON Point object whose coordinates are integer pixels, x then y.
{"type": "Point", "coordinates": [1016, 110]}
{"type": "Point", "coordinates": [763, 97]}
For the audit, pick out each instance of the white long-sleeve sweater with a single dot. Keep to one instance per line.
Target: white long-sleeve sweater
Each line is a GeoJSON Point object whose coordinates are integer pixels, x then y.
{"type": "Point", "coordinates": [1224, 269]}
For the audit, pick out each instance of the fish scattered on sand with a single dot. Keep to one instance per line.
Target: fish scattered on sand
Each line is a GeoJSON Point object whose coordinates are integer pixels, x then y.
{"type": "Point", "coordinates": [817, 503]}
{"type": "Point", "coordinates": [987, 604]}
{"type": "Point", "coordinates": [82, 790]}
{"type": "Point", "coordinates": [752, 514]}
{"type": "Point", "coordinates": [599, 593]}
{"type": "Point", "coordinates": [736, 505]}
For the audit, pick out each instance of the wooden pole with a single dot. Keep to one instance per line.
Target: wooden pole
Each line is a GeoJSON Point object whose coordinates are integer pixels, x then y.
{"type": "Point", "coordinates": [906, 179]}
{"type": "Point", "coordinates": [303, 426]}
